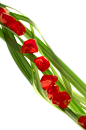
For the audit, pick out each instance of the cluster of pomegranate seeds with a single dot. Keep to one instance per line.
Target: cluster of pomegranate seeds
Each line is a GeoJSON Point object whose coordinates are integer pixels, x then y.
{"type": "Point", "coordinates": [52, 90]}
{"type": "Point", "coordinates": [82, 121]}
{"type": "Point", "coordinates": [29, 46]}
{"type": "Point", "coordinates": [59, 98]}
{"type": "Point", "coordinates": [18, 28]}
{"type": "Point", "coordinates": [62, 99]}
{"type": "Point", "coordinates": [47, 80]}
{"type": "Point", "coordinates": [42, 63]}
{"type": "Point", "coordinates": [10, 21]}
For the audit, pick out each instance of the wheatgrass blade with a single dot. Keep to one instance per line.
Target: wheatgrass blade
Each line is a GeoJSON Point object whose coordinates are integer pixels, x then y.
{"type": "Point", "coordinates": [14, 49]}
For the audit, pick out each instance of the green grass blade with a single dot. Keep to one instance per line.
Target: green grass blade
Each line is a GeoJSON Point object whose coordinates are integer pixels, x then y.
{"type": "Point", "coordinates": [67, 85]}
{"type": "Point", "coordinates": [79, 97]}
{"type": "Point", "coordinates": [4, 6]}
{"type": "Point", "coordinates": [78, 103]}
{"type": "Point", "coordinates": [14, 49]}
{"type": "Point", "coordinates": [24, 18]}
{"type": "Point", "coordinates": [1, 34]}
{"type": "Point", "coordinates": [79, 114]}
{"type": "Point", "coordinates": [59, 78]}
{"type": "Point", "coordinates": [37, 81]}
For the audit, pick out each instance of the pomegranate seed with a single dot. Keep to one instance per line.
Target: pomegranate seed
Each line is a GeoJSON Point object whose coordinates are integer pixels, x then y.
{"type": "Point", "coordinates": [2, 10]}
{"type": "Point", "coordinates": [42, 63]}
{"type": "Point", "coordinates": [62, 99]}
{"type": "Point", "coordinates": [82, 121]}
{"type": "Point", "coordinates": [29, 46]}
{"type": "Point", "coordinates": [47, 80]}
{"type": "Point", "coordinates": [7, 19]}
{"type": "Point", "coordinates": [52, 90]}
{"type": "Point", "coordinates": [18, 28]}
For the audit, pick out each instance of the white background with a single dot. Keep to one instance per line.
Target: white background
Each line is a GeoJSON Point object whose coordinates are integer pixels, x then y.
{"type": "Point", "coordinates": [63, 25]}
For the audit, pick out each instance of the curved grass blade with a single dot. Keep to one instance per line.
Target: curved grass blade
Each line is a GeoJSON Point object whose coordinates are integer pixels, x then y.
{"type": "Point", "coordinates": [67, 85]}
{"type": "Point", "coordinates": [54, 72]}
{"type": "Point", "coordinates": [2, 5]}
{"type": "Point", "coordinates": [14, 49]}
{"type": "Point", "coordinates": [79, 98]}
{"type": "Point", "coordinates": [79, 114]}
{"type": "Point", "coordinates": [1, 34]}
{"type": "Point", "coordinates": [36, 81]}
{"type": "Point", "coordinates": [24, 18]}
{"type": "Point", "coordinates": [78, 102]}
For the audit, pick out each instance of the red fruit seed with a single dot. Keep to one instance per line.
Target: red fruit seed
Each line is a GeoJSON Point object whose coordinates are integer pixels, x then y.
{"type": "Point", "coordinates": [47, 80]}
{"type": "Point", "coordinates": [18, 28]}
{"type": "Point", "coordinates": [62, 99]}
{"type": "Point", "coordinates": [82, 121]}
{"type": "Point", "coordinates": [2, 10]}
{"type": "Point", "coordinates": [42, 63]}
{"type": "Point", "coordinates": [29, 46]}
{"type": "Point", "coordinates": [7, 19]}
{"type": "Point", "coordinates": [52, 90]}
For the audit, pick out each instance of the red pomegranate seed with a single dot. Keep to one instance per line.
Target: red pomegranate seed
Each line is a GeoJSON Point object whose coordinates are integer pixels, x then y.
{"type": "Point", "coordinates": [62, 99]}
{"type": "Point", "coordinates": [47, 80]}
{"type": "Point", "coordinates": [42, 63]}
{"type": "Point", "coordinates": [52, 90]}
{"type": "Point", "coordinates": [82, 121]}
{"type": "Point", "coordinates": [7, 19]}
{"type": "Point", "coordinates": [18, 28]}
{"type": "Point", "coordinates": [2, 10]}
{"type": "Point", "coordinates": [29, 46]}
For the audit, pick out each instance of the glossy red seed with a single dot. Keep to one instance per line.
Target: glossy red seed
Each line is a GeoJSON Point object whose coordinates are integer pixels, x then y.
{"type": "Point", "coordinates": [7, 19]}
{"type": "Point", "coordinates": [62, 99]}
{"type": "Point", "coordinates": [42, 63]}
{"type": "Point", "coordinates": [82, 121]}
{"type": "Point", "coordinates": [29, 46]}
{"type": "Point", "coordinates": [18, 28]}
{"type": "Point", "coordinates": [52, 90]}
{"type": "Point", "coordinates": [47, 80]}
{"type": "Point", "coordinates": [2, 10]}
